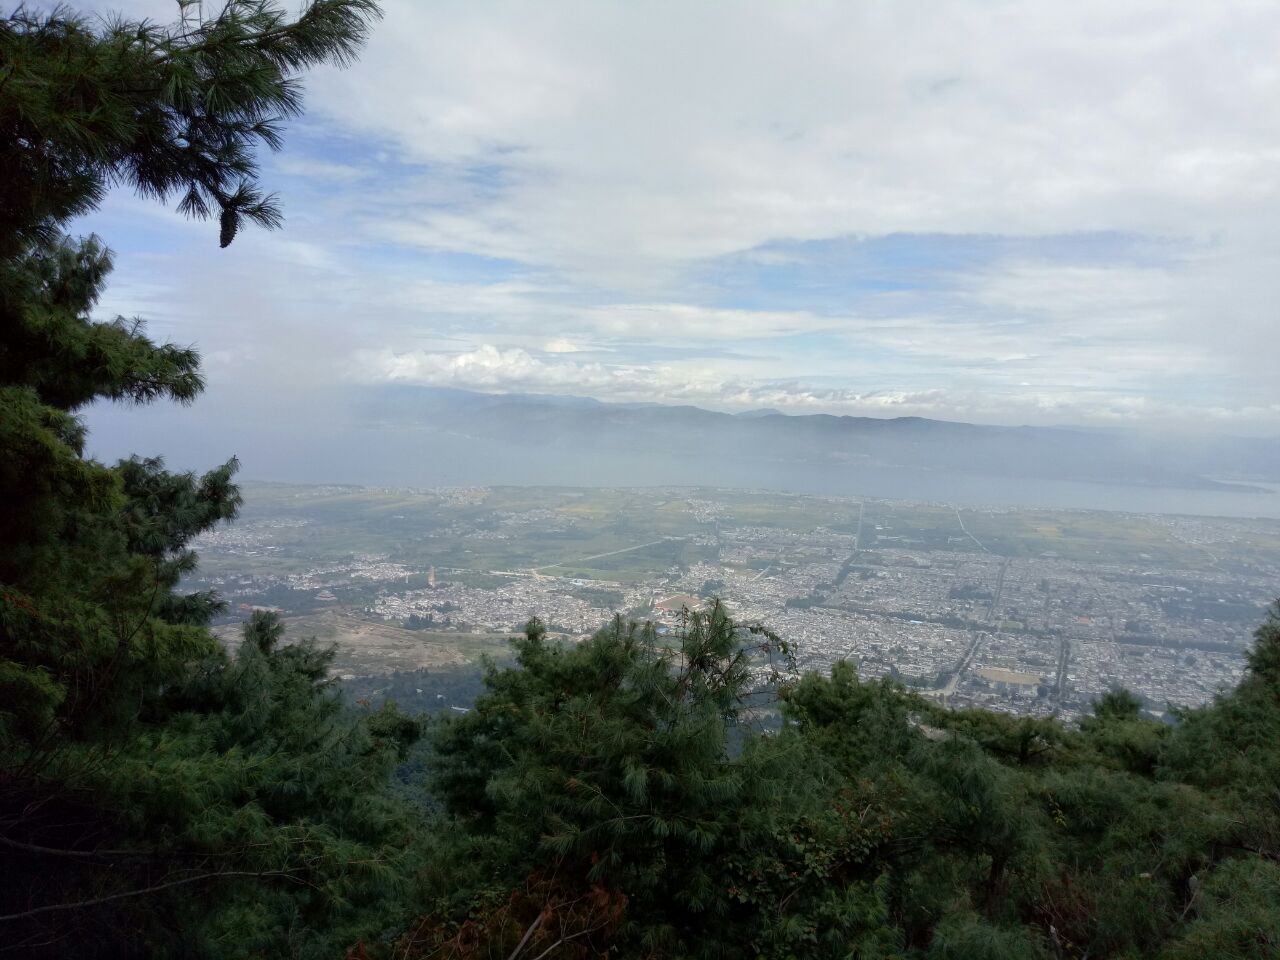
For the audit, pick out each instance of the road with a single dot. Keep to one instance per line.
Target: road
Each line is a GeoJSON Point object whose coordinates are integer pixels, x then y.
{"type": "Point", "coordinates": [995, 595]}
{"type": "Point", "coordinates": [965, 530]}
{"type": "Point", "coordinates": [611, 553]}
{"type": "Point", "coordinates": [1064, 655]}
{"type": "Point", "coordinates": [950, 686]}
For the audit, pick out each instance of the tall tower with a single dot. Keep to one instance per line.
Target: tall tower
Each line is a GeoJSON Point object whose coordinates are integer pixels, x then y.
{"type": "Point", "coordinates": [431, 577]}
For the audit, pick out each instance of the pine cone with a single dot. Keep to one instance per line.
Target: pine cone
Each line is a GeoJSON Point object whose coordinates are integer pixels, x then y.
{"type": "Point", "coordinates": [230, 221]}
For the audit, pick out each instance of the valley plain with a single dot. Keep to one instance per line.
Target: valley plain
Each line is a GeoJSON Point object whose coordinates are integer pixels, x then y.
{"type": "Point", "coordinates": [1026, 611]}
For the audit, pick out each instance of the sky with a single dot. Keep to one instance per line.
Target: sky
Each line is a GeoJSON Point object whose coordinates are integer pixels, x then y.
{"type": "Point", "coordinates": [1039, 213]}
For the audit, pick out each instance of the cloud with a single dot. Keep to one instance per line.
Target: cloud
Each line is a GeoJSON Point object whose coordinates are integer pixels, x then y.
{"type": "Point", "coordinates": [987, 211]}
{"type": "Point", "coordinates": [489, 368]}
{"type": "Point", "coordinates": [560, 345]}
{"type": "Point", "coordinates": [515, 370]}
{"type": "Point", "coordinates": [637, 137]}
{"type": "Point", "coordinates": [323, 170]}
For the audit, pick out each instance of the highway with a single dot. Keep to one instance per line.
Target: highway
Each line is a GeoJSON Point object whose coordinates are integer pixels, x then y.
{"type": "Point", "coordinates": [611, 553]}
{"type": "Point", "coordinates": [982, 546]}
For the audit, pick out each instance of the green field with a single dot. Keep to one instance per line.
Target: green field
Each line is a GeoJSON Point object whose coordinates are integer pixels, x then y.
{"type": "Point", "coordinates": [608, 534]}
{"type": "Point", "coordinates": [590, 533]}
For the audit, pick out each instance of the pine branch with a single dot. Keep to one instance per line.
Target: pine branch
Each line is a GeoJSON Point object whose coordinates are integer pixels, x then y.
{"type": "Point", "coordinates": [56, 852]}
{"type": "Point", "coordinates": [564, 940]}
{"type": "Point", "coordinates": [81, 904]}
{"type": "Point", "coordinates": [533, 928]}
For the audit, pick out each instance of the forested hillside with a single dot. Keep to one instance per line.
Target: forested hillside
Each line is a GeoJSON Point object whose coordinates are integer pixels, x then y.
{"type": "Point", "coordinates": [157, 797]}
{"type": "Point", "coordinates": [634, 795]}
{"type": "Point", "coordinates": [622, 796]}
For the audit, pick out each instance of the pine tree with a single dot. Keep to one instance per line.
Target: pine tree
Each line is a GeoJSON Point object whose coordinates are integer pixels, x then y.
{"type": "Point", "coordinates": [593, 807]}
{"type": "Point", "coordinates": [143, 773]}
{"type": "Point", "coordinates": [602, 775]}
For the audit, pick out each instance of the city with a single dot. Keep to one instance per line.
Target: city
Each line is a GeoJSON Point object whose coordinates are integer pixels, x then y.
{"type": "Point", "coordinates": [1027, 612]}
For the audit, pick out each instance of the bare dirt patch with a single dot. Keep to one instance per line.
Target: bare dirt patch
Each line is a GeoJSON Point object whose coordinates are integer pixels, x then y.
{"type": "Point", "coordinates": [374, 648]}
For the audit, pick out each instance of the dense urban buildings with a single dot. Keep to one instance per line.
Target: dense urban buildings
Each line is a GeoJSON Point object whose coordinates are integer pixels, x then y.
{"type": "Point", "coordinates": [1035, 612]}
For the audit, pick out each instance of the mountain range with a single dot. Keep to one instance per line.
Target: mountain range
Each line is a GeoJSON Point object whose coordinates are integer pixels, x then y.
{"type": "Point", "coordinates": [658, 443]}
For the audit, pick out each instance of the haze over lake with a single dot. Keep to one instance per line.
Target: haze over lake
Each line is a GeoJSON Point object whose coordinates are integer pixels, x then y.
{"type": "Point", "coordinates": [429, 438]}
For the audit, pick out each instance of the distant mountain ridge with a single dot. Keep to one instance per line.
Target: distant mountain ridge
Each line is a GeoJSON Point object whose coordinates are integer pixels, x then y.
{"type": "Point", "coordinates": [584, 432]}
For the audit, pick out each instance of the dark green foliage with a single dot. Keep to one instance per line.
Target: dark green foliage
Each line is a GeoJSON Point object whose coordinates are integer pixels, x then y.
{"type": "Point", "coordinates": [1117, 704]}
{"type": "Point", "coordinates": [602, 774]}
{"type": "Point", "coordinates": [592, 806]}
{"type": "Point", "coordinates": [1235, 915]}
{"type": "Point", "coordinates": [157, 797]}
{"type": "Point", "coordinates": [171, 111]}
{"type": "Point", "coordinates": [246, 773]}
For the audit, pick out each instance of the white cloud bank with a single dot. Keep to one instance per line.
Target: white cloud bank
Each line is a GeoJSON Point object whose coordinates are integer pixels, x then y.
{"type": "Point", "coordinates": [489, 368]}
{"type": "Point", "coordinates": [638, 137]}
{"type": "Point", "coordinates": [609, 153]}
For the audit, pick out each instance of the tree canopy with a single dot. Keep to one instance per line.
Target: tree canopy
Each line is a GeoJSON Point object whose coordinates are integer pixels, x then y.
{"type": "Point", "coordinates": [157, 795]}
{"type": "Point", "coordinates": [593, 805]}
{"type": "Point", "coordinates": [173, 111]}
